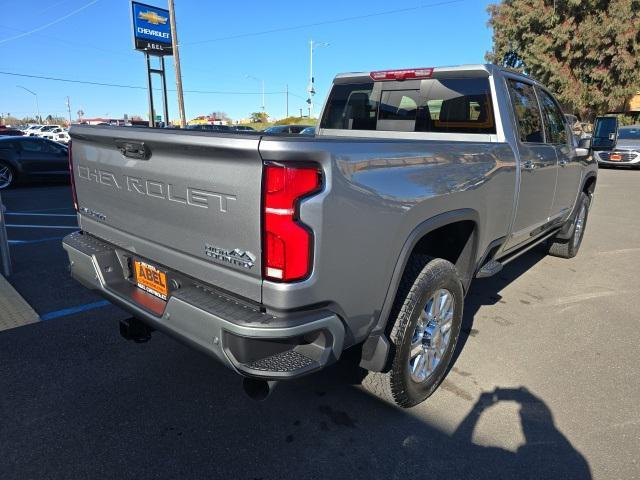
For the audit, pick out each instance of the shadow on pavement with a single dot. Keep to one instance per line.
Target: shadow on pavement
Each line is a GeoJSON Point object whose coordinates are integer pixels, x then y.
{"type": "Point", "coordinates": [77, 401]}
{"type": "Point", "coordinates": [486, 291]}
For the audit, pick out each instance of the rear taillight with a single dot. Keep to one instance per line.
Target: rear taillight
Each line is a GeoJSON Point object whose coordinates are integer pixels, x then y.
{"type": "Point", "coordinates": [73, 181]}
{"type": "Point", "coordinates": [288, 244]}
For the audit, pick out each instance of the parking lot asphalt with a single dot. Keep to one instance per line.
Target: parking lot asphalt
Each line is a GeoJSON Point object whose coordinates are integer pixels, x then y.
{"type": "Point", "coordinates": [545, 385]}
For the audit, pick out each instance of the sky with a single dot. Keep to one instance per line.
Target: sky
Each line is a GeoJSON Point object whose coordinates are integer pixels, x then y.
{"type": "Point", "coordinates": [228, 47]}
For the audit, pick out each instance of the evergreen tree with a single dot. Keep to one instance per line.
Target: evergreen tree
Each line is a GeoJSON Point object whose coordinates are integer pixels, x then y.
{"type": "Point", "coordinates": [586, 51]}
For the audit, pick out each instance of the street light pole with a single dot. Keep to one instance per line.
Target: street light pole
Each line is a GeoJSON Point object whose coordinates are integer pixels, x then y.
{"type": "Point", "coordinates": [176, 62]}
{"type": "Point", "coordinates": [37, 105]}
{"type": "Point", "coordinates": [69, 109]}
{"type": "Point", "coordinates": [311, 89]}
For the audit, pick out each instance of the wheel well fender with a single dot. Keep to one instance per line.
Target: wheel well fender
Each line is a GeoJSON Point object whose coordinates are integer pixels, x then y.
{"type": "Point", "coordinates": [452, 235]}
{"type": "Point", "coordinates": [15, 165]}
{"type": "Point", "coordinates": [589, 184]}
{"type": "Point", "coordinates": [587, 187]}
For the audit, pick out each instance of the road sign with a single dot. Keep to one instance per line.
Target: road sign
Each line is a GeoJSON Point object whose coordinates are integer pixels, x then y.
{"type": "Point", "coordinates": [151, 29]}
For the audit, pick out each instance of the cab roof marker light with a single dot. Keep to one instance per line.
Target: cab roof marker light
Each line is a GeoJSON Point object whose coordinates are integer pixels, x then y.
{"type": "Point", "coordinates": [402, 74]}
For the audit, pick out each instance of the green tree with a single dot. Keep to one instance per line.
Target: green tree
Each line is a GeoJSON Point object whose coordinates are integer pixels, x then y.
{"type": "Point", "coordinates": [586, 51]}
{"type": "Point", "coordinates": [259, 117]}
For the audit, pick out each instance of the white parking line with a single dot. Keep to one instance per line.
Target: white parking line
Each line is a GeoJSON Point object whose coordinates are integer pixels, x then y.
{"type": "Point", "coordinates": [41, 226]}
{"type": "Point", "coordinates": [18, 214]}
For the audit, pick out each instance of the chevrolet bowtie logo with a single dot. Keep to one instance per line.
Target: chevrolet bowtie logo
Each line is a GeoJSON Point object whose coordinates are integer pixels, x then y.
{"type": "Point", "coordinates": [152, 17]}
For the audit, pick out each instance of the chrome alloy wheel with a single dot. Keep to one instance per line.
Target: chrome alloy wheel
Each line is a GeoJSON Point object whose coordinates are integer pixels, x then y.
{"type": "Point", "coordinates": [577, 236]}
{"type": "Point", "coordinates": [431, 336]}
{"type": "Point", "coordinates": [6, 176]}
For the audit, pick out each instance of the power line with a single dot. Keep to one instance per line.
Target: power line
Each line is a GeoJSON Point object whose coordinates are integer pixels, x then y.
{"type": "Point", "coordinates": [134, 87]}
{"type": "Point", "coordinates": [47, 25]}
{"type": "Point", "coordinates": [81, 46]}
{"type": "Point", "coordinates": [325, 22]}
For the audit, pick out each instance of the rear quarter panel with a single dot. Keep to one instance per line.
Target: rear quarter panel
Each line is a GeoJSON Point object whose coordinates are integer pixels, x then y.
{"type": "Point", "coordinates": [376, 192]}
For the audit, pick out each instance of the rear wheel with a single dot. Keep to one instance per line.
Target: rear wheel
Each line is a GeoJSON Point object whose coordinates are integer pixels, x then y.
{"type": "Point", "coordinates": [569, 248]}
{"type": "Point", "coordinates": [427, 317]}
{"type": "Point", "coordinates": [7, 176]}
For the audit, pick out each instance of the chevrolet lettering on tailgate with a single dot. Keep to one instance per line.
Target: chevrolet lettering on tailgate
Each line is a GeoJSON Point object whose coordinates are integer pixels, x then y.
{"type": "Point", "coordinates": [193, 197]}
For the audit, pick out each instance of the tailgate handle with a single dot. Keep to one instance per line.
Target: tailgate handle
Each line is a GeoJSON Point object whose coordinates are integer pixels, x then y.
{"type": "Point", "coordinates": [137, 150]}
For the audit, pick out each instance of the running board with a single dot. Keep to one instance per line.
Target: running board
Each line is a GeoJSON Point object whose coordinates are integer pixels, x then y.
{"type": "Point", "coordinates": [491, 267]}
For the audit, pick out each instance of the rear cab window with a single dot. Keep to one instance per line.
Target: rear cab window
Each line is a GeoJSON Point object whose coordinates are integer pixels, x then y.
{"type": "Point", "coordinates": [447, 105]}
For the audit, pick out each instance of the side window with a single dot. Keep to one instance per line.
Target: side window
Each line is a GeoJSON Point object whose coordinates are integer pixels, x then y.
{"type": "Point", "coordinates": [525, 107]}
{"type": "Point", "coordinates": [553, 119]}
{"type": "Point", "coordinates": [32, 146]}
{"type": "Point", "coordinates": [51, 147]}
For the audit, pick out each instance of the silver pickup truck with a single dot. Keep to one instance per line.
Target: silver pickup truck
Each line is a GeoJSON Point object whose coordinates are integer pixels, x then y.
{"type": "Point", "coordinates": [275, 254]}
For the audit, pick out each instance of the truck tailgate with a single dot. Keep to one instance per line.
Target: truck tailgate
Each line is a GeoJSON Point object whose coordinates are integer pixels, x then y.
{"type": "Point", "coordinates": [193, 205]}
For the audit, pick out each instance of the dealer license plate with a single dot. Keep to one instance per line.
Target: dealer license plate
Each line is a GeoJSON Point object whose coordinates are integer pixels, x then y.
{"type": "Point", "coordinates": [151, 279]}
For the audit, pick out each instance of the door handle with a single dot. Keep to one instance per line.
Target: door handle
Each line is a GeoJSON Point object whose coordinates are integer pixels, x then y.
{"type": "Point", "coordinates": [529, 165]}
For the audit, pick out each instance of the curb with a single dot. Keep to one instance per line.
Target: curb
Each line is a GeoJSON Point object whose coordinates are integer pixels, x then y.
{"type": "Point", "coordinates": [14, 310]}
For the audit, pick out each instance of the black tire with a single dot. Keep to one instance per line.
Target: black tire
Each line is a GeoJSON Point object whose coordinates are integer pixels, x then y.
{"type": "Point", "coordinates": [7, 175]}
{"type": "Point", "coordinates": [422, 279]}
{"type": "Point", "coordinates": [569, 248]}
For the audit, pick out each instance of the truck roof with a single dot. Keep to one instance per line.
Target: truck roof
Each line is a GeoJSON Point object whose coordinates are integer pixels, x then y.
{"type": "Point", "coordinates": [486, 69]}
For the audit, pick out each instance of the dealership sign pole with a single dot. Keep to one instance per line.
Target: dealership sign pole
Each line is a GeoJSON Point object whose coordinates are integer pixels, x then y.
{"type": "Point", "coordinates": [152, 35]}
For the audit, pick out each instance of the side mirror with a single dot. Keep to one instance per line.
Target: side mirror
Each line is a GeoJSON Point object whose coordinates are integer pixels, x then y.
{"type": "Point", "coordinates": [582, 152]}
{"type": "Point", "coordinates": [584, 143]}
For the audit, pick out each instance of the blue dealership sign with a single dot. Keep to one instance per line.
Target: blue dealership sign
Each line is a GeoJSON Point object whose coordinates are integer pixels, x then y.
{"type": "Point", "coordinates": [151, 29]}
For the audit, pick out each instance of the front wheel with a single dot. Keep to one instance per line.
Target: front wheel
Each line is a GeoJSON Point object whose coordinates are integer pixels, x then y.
{"type": "Point", "coordinates": [7, 176]}
{"type": "Point", "coordinates": [427, 317]}
{"type": "Point", "coordinates": [569, 248]}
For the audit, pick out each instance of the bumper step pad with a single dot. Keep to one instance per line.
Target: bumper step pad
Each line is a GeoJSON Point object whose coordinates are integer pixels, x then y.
{"type": "Point", "coordinates": [289, 361]}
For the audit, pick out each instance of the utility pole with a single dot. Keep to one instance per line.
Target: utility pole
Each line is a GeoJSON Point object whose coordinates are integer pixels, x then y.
{"type": "Point", "coordinates": [69, 109]}
{"type": "Point", "coordinates": [176, 62]}
{"type": "Point", "coordinates": [39, 119]}
{"type": "Point", "coordinates": [287, 92]}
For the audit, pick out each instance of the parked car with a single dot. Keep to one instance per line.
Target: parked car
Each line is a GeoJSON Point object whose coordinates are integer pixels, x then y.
{"type": "Point", "coordinates": [42, 130]}
{"type": "Point", "coordinates": [32, 129]}
{"type": "Point", "coordinates": [28, 158]}
{"type": "Point", "coordinates": [210, 128]}
{"type": "Point", "coordinates": [62, 137]}
{"type": "Point", "coordinates": [278, 252]}
{"type": "Point", "coordinates": [284, 129]}
{"type": "Point", "coordinates": [58, 134]}
{"type": "Point", "coordinates": [308, 131]}
{"type": "Point", "coordinates": [243, 128]}
{"type": "Point", "coordinates": [7, 131]}
{"type": "Point", "coordinates": [51, 133]}
{"type": "Point", "coordinates": [626, 150]}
